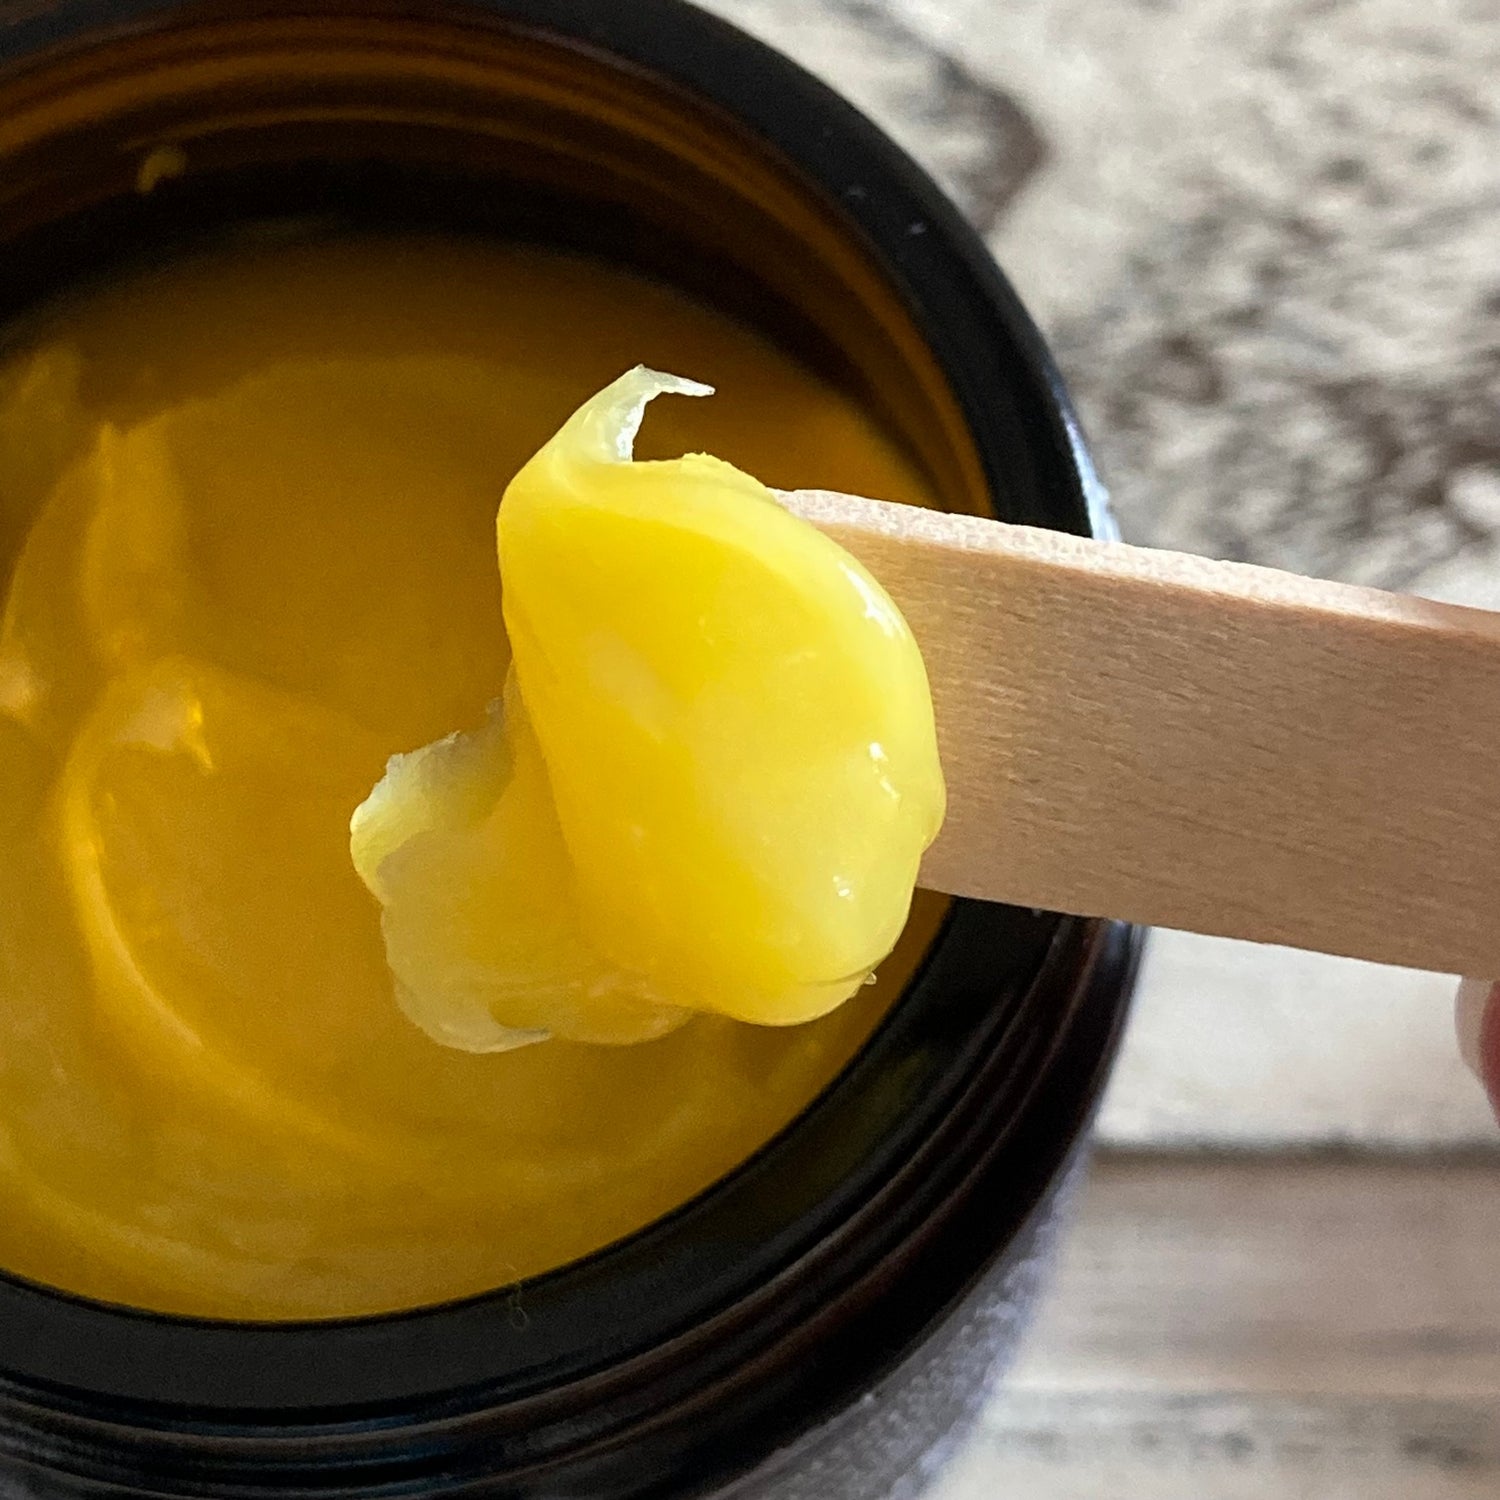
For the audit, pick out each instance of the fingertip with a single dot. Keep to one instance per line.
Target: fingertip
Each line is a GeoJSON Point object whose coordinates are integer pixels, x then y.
{"type": "Point", "coordinates": [1473, 1001]}
{"type": "Point", "coordinates": [1478, 1023]}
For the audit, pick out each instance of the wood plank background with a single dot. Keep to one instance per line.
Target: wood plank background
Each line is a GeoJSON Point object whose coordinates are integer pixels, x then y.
{"type": "Point", "coordinates": [1260, 1329]}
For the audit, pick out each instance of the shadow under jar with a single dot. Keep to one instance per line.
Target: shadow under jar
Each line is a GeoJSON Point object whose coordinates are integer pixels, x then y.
{"type": "Point", "coordinates": [883, 1246]}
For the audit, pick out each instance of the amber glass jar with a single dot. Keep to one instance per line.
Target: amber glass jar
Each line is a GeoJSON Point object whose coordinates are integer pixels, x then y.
{"type": "Point", "coordinates": [818, 1322]}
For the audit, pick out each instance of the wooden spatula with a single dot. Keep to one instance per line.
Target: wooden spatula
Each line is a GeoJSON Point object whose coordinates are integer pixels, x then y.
{"type": "Point", "coordinates": [1205, 745]}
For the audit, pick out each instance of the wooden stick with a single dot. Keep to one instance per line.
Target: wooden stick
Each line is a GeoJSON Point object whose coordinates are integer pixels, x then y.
{"type": "Point", "coordinates": [1198, 744]}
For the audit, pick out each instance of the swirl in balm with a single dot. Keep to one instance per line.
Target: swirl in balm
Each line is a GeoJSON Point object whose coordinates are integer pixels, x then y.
{"type": "Point", "coordinates": [707, 786]}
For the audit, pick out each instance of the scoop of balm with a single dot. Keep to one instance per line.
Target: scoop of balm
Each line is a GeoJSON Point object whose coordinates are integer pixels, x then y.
{"type": "Point", "coordinates": [706, 787]}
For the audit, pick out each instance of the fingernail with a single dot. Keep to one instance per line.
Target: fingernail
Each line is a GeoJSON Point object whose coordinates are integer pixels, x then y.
{"type": "Point", "coordinates": [1478, 1020]}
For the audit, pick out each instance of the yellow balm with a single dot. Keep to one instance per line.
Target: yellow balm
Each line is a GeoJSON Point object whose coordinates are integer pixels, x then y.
{"type": "Point", "coordinates": [708, 786]}
{"type": "Point", "coordinates": [247, 507]}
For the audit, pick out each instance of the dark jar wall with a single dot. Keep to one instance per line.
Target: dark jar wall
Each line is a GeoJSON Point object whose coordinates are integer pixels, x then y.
{"type": "Point", "coordinates": [828, 1312]}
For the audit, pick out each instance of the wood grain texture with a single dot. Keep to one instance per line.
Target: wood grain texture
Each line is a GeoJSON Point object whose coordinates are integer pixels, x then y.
{"type": "Point", "coordinates": [1259, 1329]}
{"type": "Point", "coordinates": [1201, 745]}
{"type": "Point", "coordinates": [1051, 1447]}
{"type": "Point", "coordinates": [1364, 1279]}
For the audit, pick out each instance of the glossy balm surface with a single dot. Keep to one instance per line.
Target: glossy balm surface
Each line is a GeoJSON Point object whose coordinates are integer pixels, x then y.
{"type": "Point", "coordinates": [247, 510]}
{"type": "Point", "coordinates": [708, 786]}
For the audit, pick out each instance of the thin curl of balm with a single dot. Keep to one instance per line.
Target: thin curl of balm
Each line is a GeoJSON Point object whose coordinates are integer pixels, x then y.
{"type": "Point", "coordinates": [708, 783]}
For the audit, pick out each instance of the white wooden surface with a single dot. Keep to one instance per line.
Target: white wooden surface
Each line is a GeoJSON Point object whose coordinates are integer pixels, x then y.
{"type": "Point", "coordinates": [1243, 1047]}
{"type": "Point", "coordinates": [1260, 1329]}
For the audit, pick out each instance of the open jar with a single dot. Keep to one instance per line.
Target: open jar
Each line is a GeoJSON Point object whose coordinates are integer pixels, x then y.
{"type": "Point", "coordinates": [819, 1320]}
